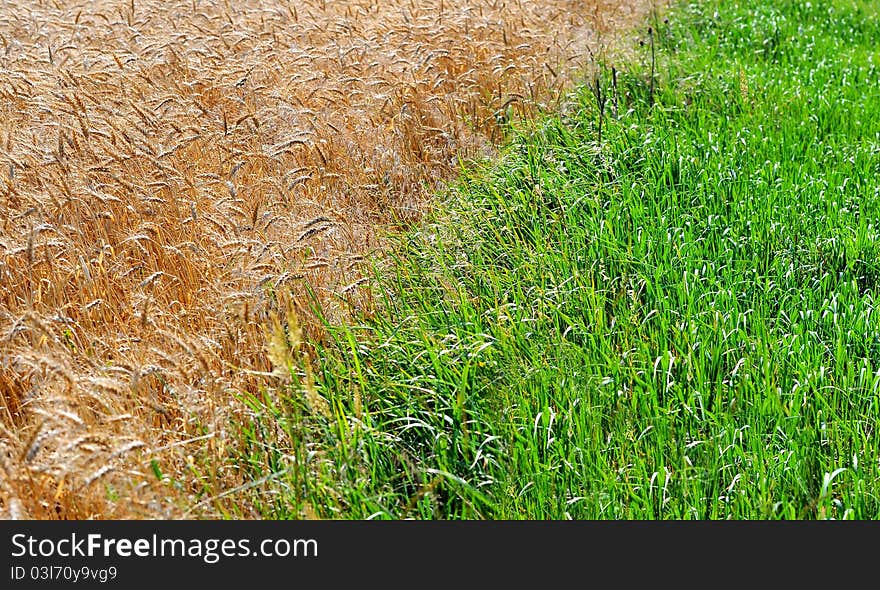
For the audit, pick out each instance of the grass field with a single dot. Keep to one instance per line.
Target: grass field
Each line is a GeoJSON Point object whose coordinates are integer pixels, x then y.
{"type": "Point", "coordinates": [173, 173]}
{"type": "Point", "coordinates": [663, 307]}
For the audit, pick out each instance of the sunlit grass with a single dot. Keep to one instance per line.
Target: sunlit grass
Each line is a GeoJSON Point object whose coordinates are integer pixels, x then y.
{"type": "Point", "coordinates": [677, 322]}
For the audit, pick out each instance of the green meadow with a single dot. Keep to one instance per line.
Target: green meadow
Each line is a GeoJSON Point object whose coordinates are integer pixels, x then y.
{"type": "Point", "coordinates": [659, 303]}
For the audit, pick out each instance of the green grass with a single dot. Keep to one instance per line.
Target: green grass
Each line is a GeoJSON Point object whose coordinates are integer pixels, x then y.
{"type": "Point", "coordinates": [678, 322]}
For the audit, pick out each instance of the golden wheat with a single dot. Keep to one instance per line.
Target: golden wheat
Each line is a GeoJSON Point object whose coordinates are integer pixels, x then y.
{"type": "Point", "coordinates": [171, 170]}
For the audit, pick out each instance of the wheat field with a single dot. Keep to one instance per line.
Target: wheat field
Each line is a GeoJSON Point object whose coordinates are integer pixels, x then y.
{"type": "Point", "coordinates": [178, 177]}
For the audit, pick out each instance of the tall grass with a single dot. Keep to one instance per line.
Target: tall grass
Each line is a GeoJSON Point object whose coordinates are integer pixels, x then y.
{"type": "Point", "coordinates": [677, 321]}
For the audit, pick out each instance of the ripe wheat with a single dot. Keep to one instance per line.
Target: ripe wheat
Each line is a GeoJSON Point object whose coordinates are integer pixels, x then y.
{"type": "Point", "coordinates": [172, 172]}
